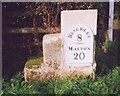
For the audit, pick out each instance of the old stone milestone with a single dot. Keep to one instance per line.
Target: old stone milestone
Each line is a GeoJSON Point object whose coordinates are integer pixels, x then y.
{"type": "Point", "coordinates": [78, 46]}
{"type": "Point", "coordinates": [70, 53]}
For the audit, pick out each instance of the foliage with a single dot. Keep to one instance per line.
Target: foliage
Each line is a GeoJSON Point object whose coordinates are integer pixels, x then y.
{"type": "Point", "coordinates": [47, 14]}
{"type": "Point", "coordinates": [18, 86]}
{"type": "Point", "coordinates": [107, 84]}
{"type": "Point", "coordinates": [117, 10]}
{"type": "Point", "coordinates": [107, 58]}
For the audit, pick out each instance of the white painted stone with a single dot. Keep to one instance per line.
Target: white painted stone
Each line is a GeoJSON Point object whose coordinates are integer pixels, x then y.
{"type": "Point", "coordinates": [78, 46]}
{"type": "Point", "coordinates": [72, 17]}
{"type": "Point", "coordinates": [78, 29]}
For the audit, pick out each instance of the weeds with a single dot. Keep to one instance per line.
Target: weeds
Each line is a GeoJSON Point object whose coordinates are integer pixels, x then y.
{"type": "Point", "coordinates": [107, 60]}
{"type": "Point", "coordinates": [107, 84]}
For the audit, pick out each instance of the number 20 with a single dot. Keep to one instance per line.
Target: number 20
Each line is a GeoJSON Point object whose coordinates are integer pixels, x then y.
{"type": "Point", "coordinates": [80, 56]}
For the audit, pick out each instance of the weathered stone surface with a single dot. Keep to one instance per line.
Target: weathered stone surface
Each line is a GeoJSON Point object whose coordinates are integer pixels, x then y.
{"type": "Point", "coordinates": [53, 66]}
{"type": "Point", "coordinates": [38, 73]}
{"type": "Point", "coordinates": [53, 50]}
{"type": "Point", "coordinates": [46, 73]}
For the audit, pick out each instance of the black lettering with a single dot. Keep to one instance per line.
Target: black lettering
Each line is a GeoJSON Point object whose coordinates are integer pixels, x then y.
{"type": "Point", "coordinates": [70, 36]}
{"type": "Point", "coordinates": [85, 48]}
{"type": "Point", "coordinates": [79, 37]}
{"type": "Point", "coordinates": [89, 36]}
{"type": "Point", "coordinates": [88, 48]}
{"type": "Point", "coordinates": [71, 48]}
{"type": "Point", "coordinates": [76, 56]}
{"type": "Point", "coordinates": [80, 56]}
{"type": "Point", "coordinates": [81, 28]}
{"type": "Point", "coordinates": [87, 33]}
{"type": "Point", "coordinates": [76, 29]}
{"type": "Point", "coordinates": [84, 30]}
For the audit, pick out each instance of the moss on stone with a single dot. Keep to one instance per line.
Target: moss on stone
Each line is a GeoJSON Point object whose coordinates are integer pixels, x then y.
{"type": "Point", "coordinates": [34, 60]}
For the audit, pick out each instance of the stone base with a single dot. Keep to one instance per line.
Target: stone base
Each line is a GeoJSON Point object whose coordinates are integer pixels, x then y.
{"type": "Point", "coordinates": [45, 73]}
{"type": "Point", "coordinates": [38, 73]}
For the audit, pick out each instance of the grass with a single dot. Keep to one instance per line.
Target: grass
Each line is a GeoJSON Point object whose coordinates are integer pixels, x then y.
{"type": "Point", "coordinates": [107, 84]}
{"type": "Point", "coordinates": [34, 60]}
